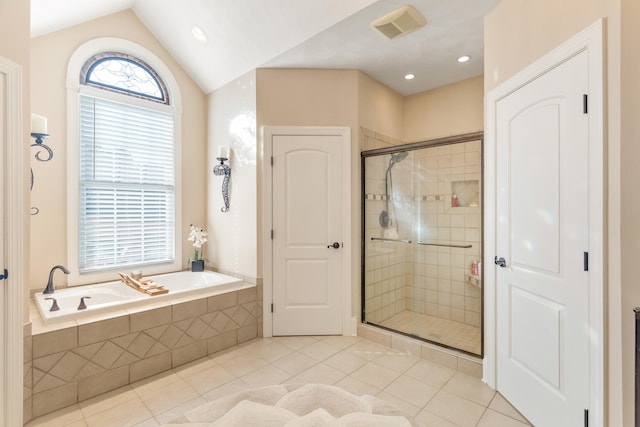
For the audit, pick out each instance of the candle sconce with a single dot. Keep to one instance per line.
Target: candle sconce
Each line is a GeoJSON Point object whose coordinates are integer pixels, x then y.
{"type": "Point", "coordinates": [223, 170]}
{"type": "Point", "coordinates": [39, 132]}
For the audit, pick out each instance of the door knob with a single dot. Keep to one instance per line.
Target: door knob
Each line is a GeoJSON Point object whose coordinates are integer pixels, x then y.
{"type": "Point", "coordinates": [334, 245]}
{"type": "Point", "coordinates": [500, 262]}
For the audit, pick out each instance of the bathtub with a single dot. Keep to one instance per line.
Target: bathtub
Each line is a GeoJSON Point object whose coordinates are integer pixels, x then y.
{"type": "Point", "coordinates": [115, 296]}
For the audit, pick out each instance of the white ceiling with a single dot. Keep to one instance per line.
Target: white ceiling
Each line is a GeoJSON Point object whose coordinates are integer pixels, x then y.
{"type": "Point", "coordinates": [247, 34]}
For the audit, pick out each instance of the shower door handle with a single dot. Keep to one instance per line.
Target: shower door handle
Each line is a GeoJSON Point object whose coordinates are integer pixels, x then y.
{"type": "Point", "coordinates": [500, 262]}
{"type": "Point", "coordinates": [334, 245]}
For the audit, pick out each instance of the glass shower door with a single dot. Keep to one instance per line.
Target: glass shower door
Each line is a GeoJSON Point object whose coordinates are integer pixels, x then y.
{"type": "Point", "coordinates": [423, 242]}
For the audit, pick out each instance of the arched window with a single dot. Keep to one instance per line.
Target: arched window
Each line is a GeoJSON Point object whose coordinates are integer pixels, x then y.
{"type": "Point", "coordinates": [120, 72]}
{"type": "Point", "coordinates": [126, 174]}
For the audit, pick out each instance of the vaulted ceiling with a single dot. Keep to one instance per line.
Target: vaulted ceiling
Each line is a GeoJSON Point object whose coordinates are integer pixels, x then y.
{"type": "Point", "coordinates": [246, 34]}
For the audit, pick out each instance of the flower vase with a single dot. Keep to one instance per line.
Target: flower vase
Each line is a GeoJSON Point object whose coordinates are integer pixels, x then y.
{"type": "Point", "coordinates": [197, 265]}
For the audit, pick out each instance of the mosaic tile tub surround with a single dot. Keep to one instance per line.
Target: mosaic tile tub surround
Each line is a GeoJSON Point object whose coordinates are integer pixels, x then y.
{"type": "Point", "coordinates": [76, 363]}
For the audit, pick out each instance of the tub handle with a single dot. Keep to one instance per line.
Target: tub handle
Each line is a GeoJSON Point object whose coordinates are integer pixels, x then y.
{"type": "Point", "coordinates": [54, 306]}
{"type": "Point", "coordinates": [82, 305]}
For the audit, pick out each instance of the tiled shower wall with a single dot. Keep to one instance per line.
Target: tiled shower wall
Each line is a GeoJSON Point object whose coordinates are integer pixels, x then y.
{"type": "Point", "coordinates": [386, 266]}
{"type": "Point", "coordinates": [424, 279]}
{"type": "Point", "coordinates": [441, 284]}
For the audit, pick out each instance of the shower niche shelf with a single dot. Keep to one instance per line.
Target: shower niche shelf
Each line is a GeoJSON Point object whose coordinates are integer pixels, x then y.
{"type": "Point", "coordinates": [467, 193]}
{"type": "Point", "coordinates": [473, 280]}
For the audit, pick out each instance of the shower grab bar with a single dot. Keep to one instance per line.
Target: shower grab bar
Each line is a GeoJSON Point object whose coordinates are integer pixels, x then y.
{"type": "Point", "coordinates": [445, 245]}
{"type": "Point", "coordinates": [391, 240]}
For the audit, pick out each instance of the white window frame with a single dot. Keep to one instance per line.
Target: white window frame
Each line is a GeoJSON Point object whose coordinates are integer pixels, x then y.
{"type": "Point", "coordinates": [74, 89]}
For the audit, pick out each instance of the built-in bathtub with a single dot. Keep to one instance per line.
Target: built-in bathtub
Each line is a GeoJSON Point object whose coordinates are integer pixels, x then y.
{"type": "Point", "coordinates": [111, 296]}
{"type": "Point", "coordinates": [115, 341]}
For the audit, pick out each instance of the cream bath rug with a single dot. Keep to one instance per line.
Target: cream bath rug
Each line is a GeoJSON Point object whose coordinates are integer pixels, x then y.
{"type": "Point", "coordinates": [291, 405]}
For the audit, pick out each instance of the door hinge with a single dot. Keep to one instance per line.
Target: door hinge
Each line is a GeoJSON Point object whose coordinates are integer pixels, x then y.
{"type": "Point", "coordinates": [585, 261]}
{"type": "Point", "coordinates": [586, 418]}
{"type": "Point", "coordinates": [271, 234]}
{"type": "Point", "coordinates": [4, 275]}
{"type": "Point", "coordinates": [271, 160]}
{"type": "Point", "coordinates": [585, 103]}
{"type": "Point", "coordinates": [272, 307]}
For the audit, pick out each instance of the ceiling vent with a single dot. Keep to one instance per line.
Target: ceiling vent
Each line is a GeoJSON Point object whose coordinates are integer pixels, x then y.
{"type": "Point", "coordinates": [399, 22]}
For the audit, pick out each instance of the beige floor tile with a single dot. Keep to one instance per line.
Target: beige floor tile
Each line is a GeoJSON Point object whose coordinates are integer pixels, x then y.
{"type": "Point", "coordinates": [210, 378]}
{"type": "Point", "coordinates": [231, 353]}
{"type": "Point", "coordinates": [267, 375]}
{"type": "Point", "coordinates": [169, 396]}
{"type": "Point", "coordinates": [340, 342]}
{"type": "Point", "coordinates": [59, 418]}
{"type": "Point", "coordinates": [411, 390]}
{"type": "Point", "coordinates": [79, 423]}
{"type": "Point", "coordinates": [319, 350]}
{"type": "Point", "coordinates": [227, 389]}
{"type": "Point", "coordinates": [243, 364]}
{"type": "Point", "coordinates": [155, 382]}
{"type": "Point", "coordinates": [492, 418]}
{"type": "Point", "coordinates": [470, 388]}
{"type": "Point", "coordinates": [357, 387]}
{"type": "Point", "coordinates": [346, 362]}
{"type": "Point", "coordinates": [376, 375]}
{"type": "Point", "coordinates": [178, 411]}
{"type": "Point", "coordinates": [396, 362]}
{"type": "Point", "coordinates": [401, 404]}
{"type": "Point", "coordinates": [455, 409]}
{"type": "Point", "coordinates": [195, 367]}
{"type": "Point", "coordinates": [294, 363]}
{"type": "Point", "coordinates": [108, 400]}
{"type": "Point", "coordinates": [127, 414]}
{"type": "Point", "coordinates": [319, 374]}
{"type": "Point", "coordinates": [296, 343]}
{"type": "Point", "coordinates": [272, 351]}
{"type": "Point", "coordinates": [151, 422]}
{"type": "Point", "coordinates": [430, 373]}
{"type": "Point", "coordinates": [431, 420]}
{"type": "Point", "coordinates": [502, 405]}
{"type": "Point", "coordinates": [368, 350]}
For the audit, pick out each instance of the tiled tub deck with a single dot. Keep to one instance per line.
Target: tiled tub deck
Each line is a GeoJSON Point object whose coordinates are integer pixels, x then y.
{"type": "Point", "coordinates": [80, 360]}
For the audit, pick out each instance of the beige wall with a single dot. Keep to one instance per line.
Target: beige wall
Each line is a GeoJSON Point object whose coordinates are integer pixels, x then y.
{"type": "Point", "coordinates": [232, 243]}
{"type": "Point", "coordinates": [517, 33]}
{"type": "Point", "coordinates": [445, 111]}
{"type": "Point", "coordinates": [50, 55]}
{"type": "Point", "coordinates": [296, 97]}
{"type": "Point", "coordinates": [14, 45]}
{"type": "Point", "coordinates": [630, 205]}
{"type": "Point", "coordinates": [380, 108]}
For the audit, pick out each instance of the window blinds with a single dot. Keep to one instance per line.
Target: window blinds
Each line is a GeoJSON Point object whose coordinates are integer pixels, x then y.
{"type": "Point", "coordinates": [127, 192]}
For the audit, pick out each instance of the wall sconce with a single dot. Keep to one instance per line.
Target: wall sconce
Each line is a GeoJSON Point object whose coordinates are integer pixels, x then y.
{"type": "Point", "coordinates": [39, 132]}
{"type": "Point", "coordinates": [222, 169]}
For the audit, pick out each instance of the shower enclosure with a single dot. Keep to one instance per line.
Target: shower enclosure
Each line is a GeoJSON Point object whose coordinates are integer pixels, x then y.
{"type": "Point", "coordinates": [422, 240]}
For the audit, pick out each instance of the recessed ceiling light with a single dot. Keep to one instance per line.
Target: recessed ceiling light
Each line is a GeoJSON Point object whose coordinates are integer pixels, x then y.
{"type": "Point", "coordinates": [464, 58]}
{"type": "Point", "coordinates": [409, 77]}
{"type": "Point", "coordinates": [198, 34]}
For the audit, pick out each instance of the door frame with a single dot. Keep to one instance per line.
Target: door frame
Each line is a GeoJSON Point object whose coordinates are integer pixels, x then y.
{"type": "Point", "coordinates": [590, 40]}
{"type": "Point", "coordinates": [268, 132]}
{"type": "Point", "coordinates": [14, 223]}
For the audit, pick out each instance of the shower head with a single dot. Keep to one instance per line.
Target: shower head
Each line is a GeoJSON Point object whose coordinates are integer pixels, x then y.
{"type": "Point", "coordinates": [398, 157]}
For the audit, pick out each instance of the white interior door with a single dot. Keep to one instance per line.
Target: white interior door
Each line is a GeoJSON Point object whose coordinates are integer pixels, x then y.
{"type": "Point", "coordinates": [542, 232]}
{"type": "Point", "coordinates": [308, 185]}
{"type": "Point", "coordinates": [12, 237]}
{"type": "Point", "coordinates": [3, 297]}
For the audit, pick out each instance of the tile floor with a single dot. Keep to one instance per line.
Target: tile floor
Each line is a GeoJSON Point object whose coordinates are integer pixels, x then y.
{"type": "Point", "coordinates": [443, 331]}
{"type": "Point", "coordinates": [435, 395]}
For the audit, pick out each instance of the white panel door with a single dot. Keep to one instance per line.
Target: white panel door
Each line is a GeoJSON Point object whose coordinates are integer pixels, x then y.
{"type": "Point", "coordinates": [307, 220]}
{"type": "Point", "coordinates": [3, 297]}
{"type": "Point", "coordinates": [542, 234]}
